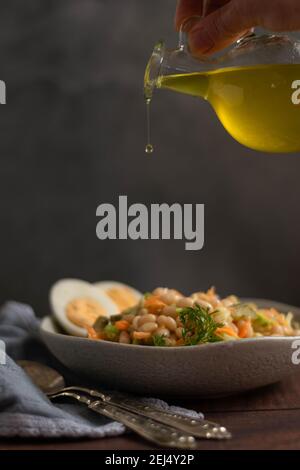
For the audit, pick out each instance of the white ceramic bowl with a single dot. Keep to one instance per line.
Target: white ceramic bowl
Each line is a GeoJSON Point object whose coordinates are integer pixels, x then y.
{"type": "Point", "coordinates": [210, 370]}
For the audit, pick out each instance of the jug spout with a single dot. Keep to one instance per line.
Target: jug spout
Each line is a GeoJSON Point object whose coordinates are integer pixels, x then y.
{"type": "Point", "coordinates": [153, 69]}
{"type": "Point", "coordinates": [165, 62]}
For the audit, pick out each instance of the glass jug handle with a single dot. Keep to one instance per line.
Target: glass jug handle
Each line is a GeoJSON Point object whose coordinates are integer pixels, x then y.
{"type": "Point", "coordinates": [182, 40]}
{"type": "Point", "coordinates": [182, 35]}
{"type": "Point", "coordinates": [247, 35]}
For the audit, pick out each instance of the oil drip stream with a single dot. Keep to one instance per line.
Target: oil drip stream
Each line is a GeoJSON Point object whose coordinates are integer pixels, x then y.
{"type": "Point", "coordinates": [149, 147]}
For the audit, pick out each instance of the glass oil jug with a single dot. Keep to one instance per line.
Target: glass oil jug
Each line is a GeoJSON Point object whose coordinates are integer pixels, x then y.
{"type": "Point", "coordinates": [254, 88]}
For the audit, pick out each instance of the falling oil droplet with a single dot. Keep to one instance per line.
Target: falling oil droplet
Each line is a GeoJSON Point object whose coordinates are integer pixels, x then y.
{"type": "Point", "coordinates": [149, 147]}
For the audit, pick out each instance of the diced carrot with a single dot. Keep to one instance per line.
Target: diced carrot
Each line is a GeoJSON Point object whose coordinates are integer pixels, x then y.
{"type": "Point", "coordinates": [92, 334]}
{"type": "Point", "coordinates": [122, 325]}
{"type": "Point", "coordinates": [227, 330]}
{"type": "Point", "coordinates": [141, 335]}
{"type": "Point", "coordinates": [153, 304]}
{"type": "Point", "coordinates": [244, 327]}
{"type": "Point", "coordinates": [211, 292]}
{"type": "Point", "coordinates": [180, 342]}
{"type": "Point", "coordinates": [281, 319]}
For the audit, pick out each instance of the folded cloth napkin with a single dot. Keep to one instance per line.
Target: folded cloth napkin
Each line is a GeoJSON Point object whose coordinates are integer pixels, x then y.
{"type": "Point", "coordinates": [24, 410]}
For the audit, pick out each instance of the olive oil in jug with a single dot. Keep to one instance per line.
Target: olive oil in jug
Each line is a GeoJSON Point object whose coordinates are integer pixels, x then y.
{"type": "Point", "coordinates": [258, 104]}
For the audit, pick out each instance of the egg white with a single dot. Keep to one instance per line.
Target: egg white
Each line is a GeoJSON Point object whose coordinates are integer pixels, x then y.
{"type": "Point", "coordinates": [66, 290]}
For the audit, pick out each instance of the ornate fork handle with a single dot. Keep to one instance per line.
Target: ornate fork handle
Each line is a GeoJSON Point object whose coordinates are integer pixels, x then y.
{"type": "Point", "coordinates": [199, 428]}
{"type": "Point", "coordinates": [151, 430]}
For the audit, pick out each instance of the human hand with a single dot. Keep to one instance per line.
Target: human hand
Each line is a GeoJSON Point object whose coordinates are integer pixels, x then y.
{"type": "Point", "coordinates": [227, 20]}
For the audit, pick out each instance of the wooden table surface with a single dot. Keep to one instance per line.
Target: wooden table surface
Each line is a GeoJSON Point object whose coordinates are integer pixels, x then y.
{"type": "Point", "coordinates": [267, 418]}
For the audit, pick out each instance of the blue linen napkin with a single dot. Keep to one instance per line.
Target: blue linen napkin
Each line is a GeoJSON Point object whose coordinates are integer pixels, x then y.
{"type": "Point", "coordinates": [24, 410]}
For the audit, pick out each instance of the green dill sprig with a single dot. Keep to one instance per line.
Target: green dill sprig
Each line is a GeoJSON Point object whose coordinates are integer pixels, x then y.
{"type": "Point", "coordinates": [198, 326]}
{"type": "Point", "coordinates": [159, 340]}
{"type": "Point", "coordinates": [147, 295]}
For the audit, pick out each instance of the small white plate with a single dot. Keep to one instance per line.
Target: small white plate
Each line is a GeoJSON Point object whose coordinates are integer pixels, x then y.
{"type": "Point", "coordinates": [209, 370]}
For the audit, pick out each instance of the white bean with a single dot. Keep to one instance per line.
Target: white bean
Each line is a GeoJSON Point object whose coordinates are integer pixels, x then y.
{"type": "Point", "coordinates": [160, 291]}
{"type": "Point", "coordinates": [169, 298]}
{"type": "Point", "coordinates": [143, 311]}
{"type": "Point", "coordinates": [124, 337]}
{"type": "Point", "coordinates": [161, 320]}
{"type": "Point", "coordinates": [171, 341]}
{"type": "Point", "coordinates": [147, 318]}
{"type": "Point", "coordinates": [168, 322]}
{"type": "Point", "coordinates": [171, 324]}
{"type": "Point", "coordinates": [185, 302]}
{"type": "Point", "coordinates": [178, 332]}
{"type": "Point", "coordinates": [148, 327]}
{"type": "Point", "coordinates": [169, 310]}
{"type": "Point", "coordinates": [162, 331]}
{"type": "Point", "coordinates": [135, 321]}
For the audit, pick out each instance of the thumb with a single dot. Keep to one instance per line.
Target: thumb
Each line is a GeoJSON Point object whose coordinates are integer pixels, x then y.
{"type": "Point", "coordinates": [222, 27]}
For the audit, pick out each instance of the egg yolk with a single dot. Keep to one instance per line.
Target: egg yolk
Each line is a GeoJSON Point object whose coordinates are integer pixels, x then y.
{"type": "Point", "coordinates": [122, 296]}
{"type": "Point", "coordinates": [84, 312]}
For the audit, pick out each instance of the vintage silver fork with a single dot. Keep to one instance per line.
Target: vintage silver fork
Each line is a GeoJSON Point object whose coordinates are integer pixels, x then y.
{"type": "Point", "coordinates": [53, 384]}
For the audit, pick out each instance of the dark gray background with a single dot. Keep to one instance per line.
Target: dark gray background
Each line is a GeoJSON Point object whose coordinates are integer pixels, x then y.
{"type": "Point", "coordinates": [72, 136]}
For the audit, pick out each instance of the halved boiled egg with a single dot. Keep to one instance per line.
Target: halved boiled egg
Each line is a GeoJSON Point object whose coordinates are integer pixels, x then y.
{"type": "Point", "coordinates": [77, 304]}
{"type": "Point", "coordinates": [121, 294]}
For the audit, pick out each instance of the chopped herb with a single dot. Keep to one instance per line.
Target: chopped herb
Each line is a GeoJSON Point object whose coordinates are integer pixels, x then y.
{"type": "Point", "coordinates": [111, 332]}
{"type": "Point", "coordinates": [198, 326]}
{"type": "Point", "coordinates": [116, 317]}
{"type": "Point", "coordinates": [159, 340]}
{"type": "Point", "coordinates": [147, 294]}
{"type": "Point", "coordinates": [100, 323]}
{"type": "Point", "coordinates": [130, 311]}
{"type": "Point", "coordinates": [262, 321]}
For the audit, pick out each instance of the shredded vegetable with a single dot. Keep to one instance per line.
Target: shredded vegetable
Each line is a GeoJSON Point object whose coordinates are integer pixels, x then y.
{"type": "Point", "coordinates": [165, 317]}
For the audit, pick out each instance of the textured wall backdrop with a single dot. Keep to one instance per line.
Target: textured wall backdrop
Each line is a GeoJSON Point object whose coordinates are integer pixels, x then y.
{"type": "Point", "coordinates": [72, 136]}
